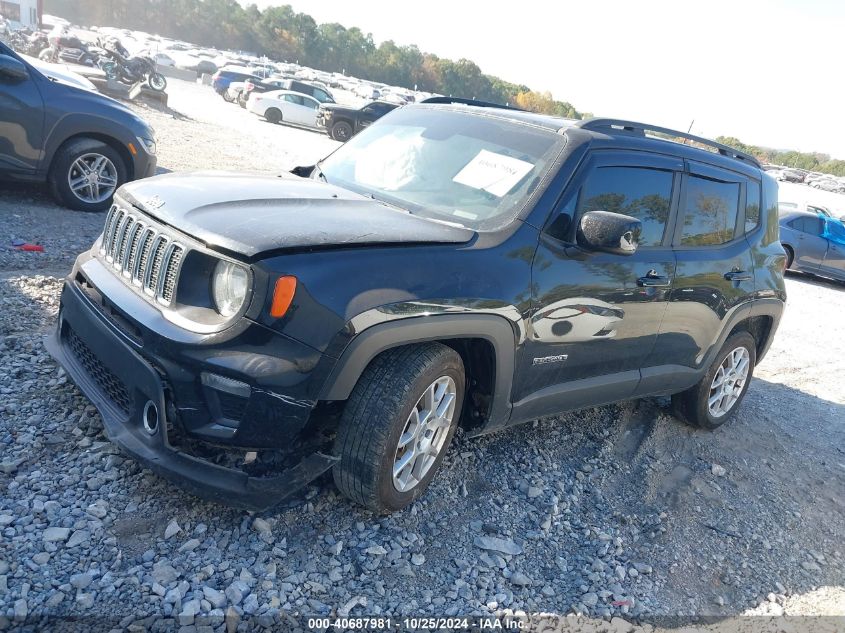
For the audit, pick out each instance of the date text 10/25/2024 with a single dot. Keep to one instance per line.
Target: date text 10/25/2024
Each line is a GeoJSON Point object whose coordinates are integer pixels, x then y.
{"type": "Point", "coordinates": [424, 623]}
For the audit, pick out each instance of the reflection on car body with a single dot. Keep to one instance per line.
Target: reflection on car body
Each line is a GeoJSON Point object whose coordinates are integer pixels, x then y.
{"type": "Point", "coordinates": [577, 319]}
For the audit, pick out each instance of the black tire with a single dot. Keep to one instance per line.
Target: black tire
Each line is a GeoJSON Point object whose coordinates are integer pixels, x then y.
{"type": "Point", "coordinates": [227, 97]}
{"type": "Point", "coordinates": [274, 115]}
{"type": "Point", "coordinates": [61, 168]}
{"type": "Point", "coordinates": [375, 417]}
{"type": "Point", "coordinates": [157, 82]}
{"type": "Point", "coordinates": [692, 404]}
{"type": "Point", "coordinates": [790, 255]}
{"type": "Point", "coordinates": [341, 131]}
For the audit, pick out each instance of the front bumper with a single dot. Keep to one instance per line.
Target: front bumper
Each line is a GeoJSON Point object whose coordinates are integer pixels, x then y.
{"type": "Point", "coordinates": [145, 164]}
{"type": "Point", "coordinates": [123, 384]}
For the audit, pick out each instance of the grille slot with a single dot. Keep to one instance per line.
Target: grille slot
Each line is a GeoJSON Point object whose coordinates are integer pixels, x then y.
{"type": "Point", "coordinates": [170, 273]}
{"type": "Point", "coordinates": [145, 254]}
{"type": "Point", "coordinates": [151, 280]}
{"type": "Point", "coordinates": [110, 385]}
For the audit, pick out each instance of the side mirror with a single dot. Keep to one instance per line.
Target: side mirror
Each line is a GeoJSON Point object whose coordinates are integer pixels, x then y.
{"type": "Point", "coordinates": [609, 232]}
{"type": "Point", "coordinates": [11, 68]}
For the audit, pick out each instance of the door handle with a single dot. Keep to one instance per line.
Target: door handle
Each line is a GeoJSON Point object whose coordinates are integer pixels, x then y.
{"type": "Point", "coordinates": [653, 280]}
{"type": "Point", "coordinates": [738, 275]}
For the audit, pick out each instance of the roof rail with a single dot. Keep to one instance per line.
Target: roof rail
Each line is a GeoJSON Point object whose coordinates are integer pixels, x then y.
{"type": "Point", "coordinates": [611, 126]}
{"type": "Point", "coordinates": [472, 102]}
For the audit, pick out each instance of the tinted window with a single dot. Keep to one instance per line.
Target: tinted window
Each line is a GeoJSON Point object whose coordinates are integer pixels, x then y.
{"type": "Point", "coordinates": [294, 99]}
{"type": "Point", "coordinates": [642, 193]}
{"type": "Point", "coordinates": [752, 206]}
{"type": "Point", "coordinates": [709, 212]}
{"type": "Point", "coordinates": [813, 226]}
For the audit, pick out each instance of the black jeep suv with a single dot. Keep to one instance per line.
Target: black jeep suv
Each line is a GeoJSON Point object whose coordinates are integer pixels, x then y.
{"type": "Point", "coordinates": [451, 265]}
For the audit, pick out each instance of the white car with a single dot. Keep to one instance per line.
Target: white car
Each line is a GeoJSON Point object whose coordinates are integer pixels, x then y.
{"type": "Point", "coordinates": [285, 106]}
{"type": "Point", "coordinates": [60, 73]}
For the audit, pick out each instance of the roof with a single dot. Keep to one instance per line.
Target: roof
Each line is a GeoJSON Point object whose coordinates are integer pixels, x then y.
{"type": "Point", "coordinates": [605, 126]}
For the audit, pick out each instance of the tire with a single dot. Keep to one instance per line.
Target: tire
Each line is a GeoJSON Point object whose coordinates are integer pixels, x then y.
{"type": "Point", "coordinates": [157, 82]}
{"type": "Point", "coordinates": [790, 256]}
{"type": "Point", "coordinates": [379, 412]}
{"type": "Point", "coordinates": [227, 97]}
{"type": "Point", "coordinates": [341, 131]}
{"type": "Point", "coordinates": [693, 405]}
{"type": "Point", "coordinates": [274, 115]}
{"type": "Point", "coordinates": [65, 168]}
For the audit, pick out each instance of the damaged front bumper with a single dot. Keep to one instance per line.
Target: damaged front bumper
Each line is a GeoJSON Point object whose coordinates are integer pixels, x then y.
{"type": "Point", "coordinates": [131, 396]}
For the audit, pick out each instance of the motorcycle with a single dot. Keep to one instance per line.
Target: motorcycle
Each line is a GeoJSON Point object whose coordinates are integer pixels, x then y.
{"type": "Point", "coordinates": [117, 64]}
{"type": "Point", "coordinates": [67, 48]}
{"type": "Point", "coordinates": [28, 43]}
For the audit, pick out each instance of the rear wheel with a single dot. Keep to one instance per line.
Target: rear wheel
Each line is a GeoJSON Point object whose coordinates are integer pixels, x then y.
{"type": "Point", "coordinates": [790, 255]}
{"type": "Point", "coordinates": [341, 131]}
{"type": "Point", "coordinates": [85, 174]}
{"type": "Point", "coordinates": [228, 97]}
{"type": "Point", "coordinates": [398, 424]}
{"type": "Point", "coordinates": [273, 115]}
{"type": "Point", "coordinates": [717, 396]}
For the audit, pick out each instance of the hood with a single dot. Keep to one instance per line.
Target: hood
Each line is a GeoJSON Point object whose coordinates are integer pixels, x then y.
{"type": "Point", "coordinates": [249, 214]}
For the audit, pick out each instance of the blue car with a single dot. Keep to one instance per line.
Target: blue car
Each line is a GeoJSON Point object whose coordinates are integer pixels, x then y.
{"type": "Point", "coordinates": [814, 244]}
{"type": "Point", "coordinates": [222, 78]}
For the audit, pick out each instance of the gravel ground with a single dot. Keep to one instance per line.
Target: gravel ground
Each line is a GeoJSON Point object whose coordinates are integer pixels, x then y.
{"type": "Point", "coordinates": [614, 511]}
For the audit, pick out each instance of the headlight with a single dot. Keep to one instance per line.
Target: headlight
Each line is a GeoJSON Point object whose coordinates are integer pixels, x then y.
{"type": "Point", "coordinates": [149, 144]}
{"type": "Point", "coordinates": [229, 285]}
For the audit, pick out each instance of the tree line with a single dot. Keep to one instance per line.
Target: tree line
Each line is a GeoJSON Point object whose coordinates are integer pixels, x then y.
{"type": "Point", "coordinates": [283, 34]}
{"type": "Point", "coordinates": [811, 161]}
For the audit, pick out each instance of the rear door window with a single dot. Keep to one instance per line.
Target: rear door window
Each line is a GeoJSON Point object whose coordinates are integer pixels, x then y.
{"type": "Point", "coordinates": [813, 226]}
{"type": "Point", "coordinates": [709, 211]}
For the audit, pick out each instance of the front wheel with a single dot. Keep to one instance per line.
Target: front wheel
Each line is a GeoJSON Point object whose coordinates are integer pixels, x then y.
{"type": "Point", "coordinates": [273, 115]}
{"type": "Point", "coordinates": [85, 174]}
{"type": "Point", "coordinates": [157, 82]}
{"type": "Point", "coordinates": [341, 131]}
{"type": "Point", "coordinates": [398, 424]}
{"type": "Point", "coordinates": [717, 396]}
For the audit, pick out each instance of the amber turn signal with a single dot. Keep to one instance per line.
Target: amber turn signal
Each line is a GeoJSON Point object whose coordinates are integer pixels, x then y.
{"type": "Point", "coordinates": [282, 296]}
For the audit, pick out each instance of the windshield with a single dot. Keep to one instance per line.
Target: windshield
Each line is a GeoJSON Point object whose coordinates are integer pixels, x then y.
{"type": "Point", "coordinates": [463, 168]}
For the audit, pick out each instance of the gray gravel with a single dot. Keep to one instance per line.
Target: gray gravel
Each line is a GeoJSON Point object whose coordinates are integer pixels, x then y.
{"type": "Point", "coordinates": [614, 511]}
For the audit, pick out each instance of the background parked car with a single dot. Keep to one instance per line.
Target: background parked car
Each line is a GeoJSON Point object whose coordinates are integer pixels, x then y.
{"type": "Point", "coordinates": [222, 78]}
{"type": "Point", "coordinates": [791, 175]}
{"type": "Point", "coordinates": [829, 184]}
{"type": "Point", "coordinates": [322, 95]}
{"type": "Point", "coordinates": [814, 244]}
{"type": "Point", "coordinates": [83, 144]}
{"type": "Point", "coordinates": [343, 122]}
{"type": "Point", "coordinates": [285, 106]}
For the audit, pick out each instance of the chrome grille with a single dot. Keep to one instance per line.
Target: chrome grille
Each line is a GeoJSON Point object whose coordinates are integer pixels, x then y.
{"type": "Point", "coordinates": [144, 253]}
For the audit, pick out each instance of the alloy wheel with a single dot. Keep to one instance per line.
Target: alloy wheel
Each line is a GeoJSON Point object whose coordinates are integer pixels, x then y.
{"type": "Point", "coordinates": [92, 178]}
{"type": "Point", "coordinates": [728, 382]}
{"type": "Point", "coordinates": [424, 434]}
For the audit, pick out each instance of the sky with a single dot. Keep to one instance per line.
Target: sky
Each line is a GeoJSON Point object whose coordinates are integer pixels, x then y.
{"type": "Point", "coordinates": [766, 72]}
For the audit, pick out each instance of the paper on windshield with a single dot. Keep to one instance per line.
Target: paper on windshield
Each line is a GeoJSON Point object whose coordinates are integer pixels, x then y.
{"type": "Point", "coordinates": [494, 173]}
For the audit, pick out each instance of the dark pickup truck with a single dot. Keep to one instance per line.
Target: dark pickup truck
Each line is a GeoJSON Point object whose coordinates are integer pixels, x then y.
{"type": "Point", "coordinates": [343, 122]}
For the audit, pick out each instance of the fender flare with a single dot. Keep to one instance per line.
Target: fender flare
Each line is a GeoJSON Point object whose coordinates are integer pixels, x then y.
{"type": "Point", "coordinates": [496, 330]}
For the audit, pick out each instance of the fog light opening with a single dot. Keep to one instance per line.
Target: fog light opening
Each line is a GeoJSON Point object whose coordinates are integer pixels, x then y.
{"type": "Point", "coordinates": [150, 417]}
